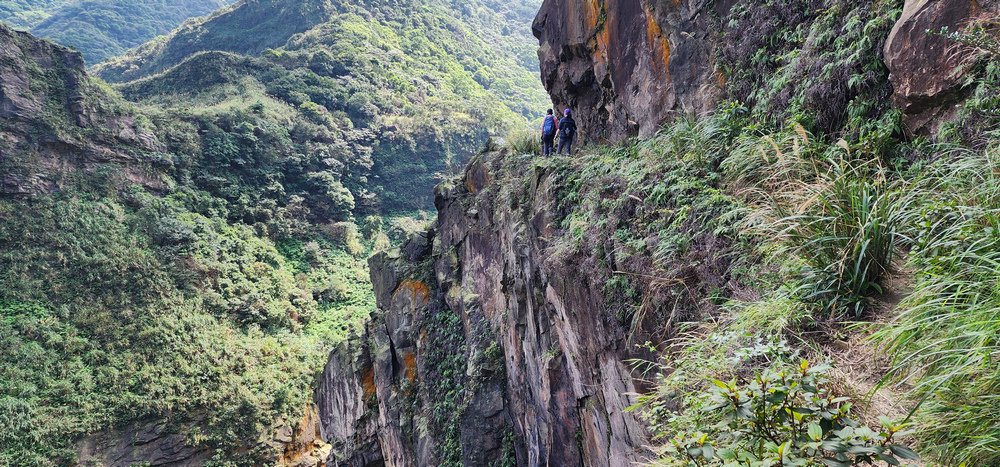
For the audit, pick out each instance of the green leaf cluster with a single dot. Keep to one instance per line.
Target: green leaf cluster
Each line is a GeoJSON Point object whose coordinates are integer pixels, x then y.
{"type": "Point", "coordinates": [784, 416]}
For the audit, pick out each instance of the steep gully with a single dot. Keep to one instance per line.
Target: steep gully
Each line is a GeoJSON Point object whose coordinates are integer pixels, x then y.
{"type": "Point", "coordinates": [486, 351]}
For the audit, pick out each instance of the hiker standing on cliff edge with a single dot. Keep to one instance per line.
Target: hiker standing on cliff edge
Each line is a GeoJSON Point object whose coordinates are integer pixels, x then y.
{"type": "Point", "coordinates": [549, 129]}
{"type": "Point", "coordinates": [567, 133]}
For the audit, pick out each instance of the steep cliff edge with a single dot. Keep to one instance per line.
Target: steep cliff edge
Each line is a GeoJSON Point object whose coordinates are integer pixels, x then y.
{"type": "Point", "coordinates": [629, 66]}
{"type": "Point", "coordinates": [505, 332]}
{"type": "Point", "coordinates": [501, 356]}
{"type": "Point", "coordinates": [56, 121]}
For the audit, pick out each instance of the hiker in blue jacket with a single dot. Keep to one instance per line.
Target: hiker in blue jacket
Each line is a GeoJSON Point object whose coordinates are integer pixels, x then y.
{"type": "Point", "coordinates": [549, 129]}
{"type": "Point", "coordinates": [567, 133]}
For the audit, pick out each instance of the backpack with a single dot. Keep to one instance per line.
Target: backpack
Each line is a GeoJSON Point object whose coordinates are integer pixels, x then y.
{"type": "Point", "coordinates": [549, 127]}
{"type": "Point", "coordinates": [568, 127]}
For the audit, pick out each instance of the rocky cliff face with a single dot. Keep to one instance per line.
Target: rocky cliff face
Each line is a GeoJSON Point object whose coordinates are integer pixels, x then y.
{"type": "Point", "coordinates": [487, 350]}
{"type": "Point", "coordinates": [55, 122]}
{"type": "Point", "coordinates": [626, 66]}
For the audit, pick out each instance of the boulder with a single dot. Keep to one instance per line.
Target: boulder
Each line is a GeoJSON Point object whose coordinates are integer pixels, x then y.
{"type": "Point", "coordinates": [929, 71]}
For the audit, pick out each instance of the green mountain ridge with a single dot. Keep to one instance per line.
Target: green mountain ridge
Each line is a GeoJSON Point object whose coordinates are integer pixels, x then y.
{"type": "Point", "coordinates": [102, 29]}
{"type": "Point", "coordinates": [185, 250]}
{"type": "Point", "coordinates": [407, 86]}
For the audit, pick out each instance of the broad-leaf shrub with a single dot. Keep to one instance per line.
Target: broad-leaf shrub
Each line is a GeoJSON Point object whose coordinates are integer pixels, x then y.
{"type": "Point", "coordinates": [786, 416]}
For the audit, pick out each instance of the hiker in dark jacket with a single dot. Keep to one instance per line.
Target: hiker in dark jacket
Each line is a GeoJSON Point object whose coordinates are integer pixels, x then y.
{"type": "Point", "coordinates": [567, 133]}
{"type": "Point", "coordinates": [549, 129]}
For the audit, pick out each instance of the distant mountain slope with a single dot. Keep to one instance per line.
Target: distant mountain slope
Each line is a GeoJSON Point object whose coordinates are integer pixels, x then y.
{"type": "Point", "coordinates": [248, 27]}
{"type": "Point", "coordinates": [490, 39]}
{"type": "Point", "coordinates": [26, 13]}
{"type": "Point", "coordinates": [409, 89]}
{"type": "Point", "coordinates": [101, 29]}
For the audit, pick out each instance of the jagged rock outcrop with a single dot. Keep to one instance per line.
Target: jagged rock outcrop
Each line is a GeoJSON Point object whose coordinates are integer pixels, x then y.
{"type": "Point", "coordinates": [486, 350]}
{"type": "Point", "coordinates": [151, 443]}
{"type": "Point", "coordinates": [158, 443]}
{"type": "Point", "coordinates": [928, 70]}
{"type": "Point", "coordinates": [627, 66]}
{"type": "Point", "coordinates": [299, 442]}
{"type": "Point", "coordinates": [345, 397]}
{"type": "Point", "coordinates": [55, 122]}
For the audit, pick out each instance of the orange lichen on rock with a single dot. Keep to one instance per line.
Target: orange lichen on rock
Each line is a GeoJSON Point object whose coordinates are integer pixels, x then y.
{"type": "Point", "coordinates": [410, 366]}
{"type": "Point", "coordinates": [658, 41]}
{"type": "Point", "coordinates": [420, 292]}
{"type": "Point", "coordinates": [476, 178]}
{"type": "Point", "coordinates": [368, 383]}
{"type": "Point", "coordinates": [306, 445]}
{"type": "Point", "coordinates": [596, 21]}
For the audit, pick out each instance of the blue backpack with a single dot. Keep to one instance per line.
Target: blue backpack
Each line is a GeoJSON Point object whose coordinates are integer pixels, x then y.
{"type": "Point", "coordinates": [549, 127]}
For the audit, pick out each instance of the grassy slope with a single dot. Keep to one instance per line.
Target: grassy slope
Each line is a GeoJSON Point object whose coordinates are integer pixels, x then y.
{"type": "Point", "coordinates": [760, 246]}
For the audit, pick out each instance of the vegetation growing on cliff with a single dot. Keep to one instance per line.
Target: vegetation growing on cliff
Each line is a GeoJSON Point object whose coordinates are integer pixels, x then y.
{"type": "Point", "coordinates": [129, 307]}
{"type": "Point", "coordinates": [816, 62]}
{"type": "Point", "coordinates": [795, 221]}
{"type": "Point", "coordinates": [729, 237]}
{"type": "Point", "coordinates": [192, 256]}
{"type": "Point", "coordinates": [838, 245]}
{"type": "Point", "coordinates": [819, 225]}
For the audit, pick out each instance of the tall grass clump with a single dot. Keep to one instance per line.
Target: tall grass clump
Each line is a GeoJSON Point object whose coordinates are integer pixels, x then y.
{"type": "Point", "coordinates": [946, 339]}
{"type": "Point", "coordinates": [832, 209]}
{"type": "Point", "coordinates": [848, 237]}
{"type": "Point", "coordinates": [524, 141]}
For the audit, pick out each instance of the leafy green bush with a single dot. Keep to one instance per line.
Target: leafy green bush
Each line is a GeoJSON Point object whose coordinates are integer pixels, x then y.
{"type": "Point", "coordinates": [787, 416]}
